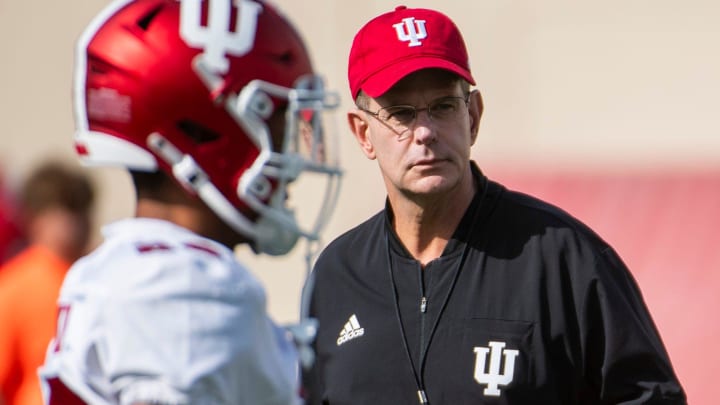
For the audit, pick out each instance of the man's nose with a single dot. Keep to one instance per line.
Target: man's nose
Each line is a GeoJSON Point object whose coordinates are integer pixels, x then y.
{"type": "Point", "coordinates": [423, 129]}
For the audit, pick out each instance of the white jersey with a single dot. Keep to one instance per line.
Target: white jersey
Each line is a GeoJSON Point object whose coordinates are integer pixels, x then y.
{"type": "Point", "coordinates": [162, 315]}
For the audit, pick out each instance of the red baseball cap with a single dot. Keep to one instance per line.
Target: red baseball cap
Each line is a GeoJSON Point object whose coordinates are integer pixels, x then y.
{"type": "Point", "coordinates": [395, 44]}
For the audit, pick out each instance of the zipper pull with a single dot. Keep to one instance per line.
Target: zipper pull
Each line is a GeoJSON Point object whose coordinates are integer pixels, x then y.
{"type": "Point", "coordinates": [422, 397]}
{"type": "Point", "coordinates": [423, 304]}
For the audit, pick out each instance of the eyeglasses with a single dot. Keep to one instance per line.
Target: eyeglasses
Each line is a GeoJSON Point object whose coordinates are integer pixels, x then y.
{"type": "Point", "coordinates": [400, 118]}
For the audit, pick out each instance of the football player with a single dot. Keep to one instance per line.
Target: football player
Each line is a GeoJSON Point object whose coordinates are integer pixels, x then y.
{"type": "Point", "coordinates": [214, 109]}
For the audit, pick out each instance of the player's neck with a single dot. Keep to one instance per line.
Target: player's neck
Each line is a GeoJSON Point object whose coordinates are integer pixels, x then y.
{"type": "Point", "coordinates": [179, 214]}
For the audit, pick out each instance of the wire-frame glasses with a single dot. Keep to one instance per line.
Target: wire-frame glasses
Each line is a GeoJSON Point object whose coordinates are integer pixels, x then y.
{"type": "Point", "coordinates": [401, 118]}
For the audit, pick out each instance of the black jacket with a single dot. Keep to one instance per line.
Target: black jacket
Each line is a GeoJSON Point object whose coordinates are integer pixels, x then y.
{"type": "Point", "coordinates": [526, 305]}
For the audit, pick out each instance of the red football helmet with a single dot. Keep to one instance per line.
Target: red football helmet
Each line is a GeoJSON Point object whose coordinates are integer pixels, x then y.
{"type": "Point", "coordinates": [188, 87]}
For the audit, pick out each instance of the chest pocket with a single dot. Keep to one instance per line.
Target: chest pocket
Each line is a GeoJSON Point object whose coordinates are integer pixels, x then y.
{"type": "Point", "coordinates": [489, 359]}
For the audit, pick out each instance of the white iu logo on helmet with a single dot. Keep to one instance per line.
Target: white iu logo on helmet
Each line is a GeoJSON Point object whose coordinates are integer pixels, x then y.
{"type": "Point", "coordinates": [411, 30]}
{"type": "Point", "coordinates": [491, 374]}
{"type": "Point", "coordinates": [216, 38]}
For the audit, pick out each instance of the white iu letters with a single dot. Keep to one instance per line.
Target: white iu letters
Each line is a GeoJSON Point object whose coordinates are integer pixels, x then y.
{"type": "Point", "coordinates": [411, 30]}
{"type": "Point", "coordinates": [491, 375]}
{"type": "Point", "coordinates": [216, 38]}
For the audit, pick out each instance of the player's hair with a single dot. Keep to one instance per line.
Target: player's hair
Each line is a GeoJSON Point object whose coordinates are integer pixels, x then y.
{"type": "Point", "coordinates": [55, 184]}
{"type": "Point", "coordinates": [151, 185]}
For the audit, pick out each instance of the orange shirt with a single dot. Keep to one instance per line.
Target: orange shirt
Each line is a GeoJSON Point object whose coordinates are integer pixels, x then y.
{"type": "Point", "coordinates": [29, 288]}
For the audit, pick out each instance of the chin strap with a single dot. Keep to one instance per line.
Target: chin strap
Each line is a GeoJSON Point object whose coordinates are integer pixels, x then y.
{"type": "Point", "coordinates": [265, 234]}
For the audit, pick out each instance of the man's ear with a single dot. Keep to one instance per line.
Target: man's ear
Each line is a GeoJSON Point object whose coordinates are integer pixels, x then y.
{"type": "Point", "coordinates": [475, 107]}
{"type": "Point", "coordinates": [360, 128]}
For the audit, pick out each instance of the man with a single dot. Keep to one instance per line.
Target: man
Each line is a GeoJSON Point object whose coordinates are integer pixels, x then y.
{"type": "Point", "coordinates": [461, 291]}
{"type": "Point", "coordinates": [203, 103]}
{"type": "Point", "coordinates": [56, 204]}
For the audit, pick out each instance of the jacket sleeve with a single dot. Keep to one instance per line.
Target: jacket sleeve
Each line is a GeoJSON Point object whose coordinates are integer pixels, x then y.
{"type": "Point", "coordinates": [625, 359]}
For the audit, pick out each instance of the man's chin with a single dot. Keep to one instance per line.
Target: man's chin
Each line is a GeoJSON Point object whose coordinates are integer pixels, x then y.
{"type": "Point", "coordinates": [433, 184]}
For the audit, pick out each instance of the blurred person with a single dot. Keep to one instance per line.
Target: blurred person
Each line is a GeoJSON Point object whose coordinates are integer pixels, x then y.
{"type": "Point", "coordinates": [202, 102]}
{"type": "Point", "coordinates": [461, 291]}
{"type": "Point", "coordinates": [56, 204]}
{"type": "Point", "coordinates": [12, 238]}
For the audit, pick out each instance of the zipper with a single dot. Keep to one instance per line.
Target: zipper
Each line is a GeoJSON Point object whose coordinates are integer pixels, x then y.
{"type": "Point", "coordinates": [423, 315]}
{"type": "Point", "coordinates": [418, 372]}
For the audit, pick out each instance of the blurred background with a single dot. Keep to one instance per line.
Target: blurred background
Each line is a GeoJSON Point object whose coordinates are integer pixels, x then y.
{"type": "Point", "coordinates": [608, 109]}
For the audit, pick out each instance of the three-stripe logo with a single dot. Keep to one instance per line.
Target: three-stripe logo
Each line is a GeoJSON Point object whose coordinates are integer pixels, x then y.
{"type": "Point", "coordinates": [351, 330]}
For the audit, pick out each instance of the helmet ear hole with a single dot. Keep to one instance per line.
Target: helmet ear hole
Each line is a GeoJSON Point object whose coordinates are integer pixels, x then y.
{"type": "Point", "coordinates": [197, 132]}
{"type": "Point", "coordinates": [286, 58]}
{"type": "Point", "coordinates": [144, 22]}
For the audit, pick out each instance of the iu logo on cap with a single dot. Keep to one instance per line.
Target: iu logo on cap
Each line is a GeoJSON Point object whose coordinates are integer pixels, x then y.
{"type": "Point", "coordinates": [411, 30]}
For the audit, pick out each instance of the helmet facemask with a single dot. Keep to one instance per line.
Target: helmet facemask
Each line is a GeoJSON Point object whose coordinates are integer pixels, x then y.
{"type": "Point", "coordinates": [307, 159]}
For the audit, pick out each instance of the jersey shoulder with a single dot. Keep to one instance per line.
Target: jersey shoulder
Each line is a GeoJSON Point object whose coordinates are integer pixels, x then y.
{"type": "Point", "coordinates": [137, 253]}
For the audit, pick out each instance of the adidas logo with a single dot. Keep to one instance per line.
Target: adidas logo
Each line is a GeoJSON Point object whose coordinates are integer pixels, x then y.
{"type": "Point", "coordinates": [351, 330]}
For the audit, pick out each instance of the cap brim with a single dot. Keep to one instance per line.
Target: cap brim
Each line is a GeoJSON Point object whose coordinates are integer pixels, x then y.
{"type": "Point", "coordinates": [379, 83]}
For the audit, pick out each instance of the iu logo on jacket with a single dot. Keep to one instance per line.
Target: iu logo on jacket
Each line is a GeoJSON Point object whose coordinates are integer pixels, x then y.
{"type": "Point", "coordinates": [498, 371]}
